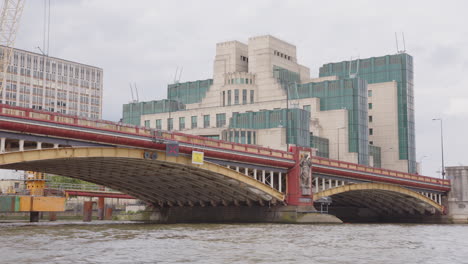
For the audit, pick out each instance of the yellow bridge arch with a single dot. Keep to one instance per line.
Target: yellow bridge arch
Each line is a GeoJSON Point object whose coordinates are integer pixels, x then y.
{"type": "Point", "coordinates": [376, 195]}
{"type": "Point", "coordinates": [148, 175]}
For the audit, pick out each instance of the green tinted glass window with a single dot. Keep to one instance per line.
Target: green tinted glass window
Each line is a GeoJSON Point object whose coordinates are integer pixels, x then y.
{"type": "Point", "coordinates": [181, 123]}
{"type": "Point", "coordinates": [194, 121]}
{"type": "Point", "coordinates": [206, 121]}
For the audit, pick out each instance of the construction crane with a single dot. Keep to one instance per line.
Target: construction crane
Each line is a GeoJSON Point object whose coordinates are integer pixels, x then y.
{"type": "Point", "coordinates": [9, 22]}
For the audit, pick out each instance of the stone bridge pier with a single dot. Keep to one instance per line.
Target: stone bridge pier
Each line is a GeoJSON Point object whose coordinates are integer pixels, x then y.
{"type": "Point", "coordinates": [458, 196]}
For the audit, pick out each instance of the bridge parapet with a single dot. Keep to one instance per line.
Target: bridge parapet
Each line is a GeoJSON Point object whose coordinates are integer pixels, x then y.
{"type": "Point", "coordinates": [156, 136]}
{"type": "Point", "coordinates": [346, 170]}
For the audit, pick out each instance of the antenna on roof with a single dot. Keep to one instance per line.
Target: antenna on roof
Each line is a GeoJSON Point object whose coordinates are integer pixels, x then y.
{"type": "Point", "coordinates": [131, 91]}
{"type": "Point", "coordinates": [404, 44]}
{"type": "Point", "coordinates": [396, 41]}
{"type": "Point", "coordinates": [175, 74]}
{"type": "Point", "coordinates": [135, 99]}
{"type": "Point", "coordinates": [180, 73]}
{"type": "Point", "coordinates": [136, 91]}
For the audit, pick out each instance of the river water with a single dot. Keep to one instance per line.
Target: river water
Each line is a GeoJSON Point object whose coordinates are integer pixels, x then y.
{"type": "Point", "coordinates": [110, 242]}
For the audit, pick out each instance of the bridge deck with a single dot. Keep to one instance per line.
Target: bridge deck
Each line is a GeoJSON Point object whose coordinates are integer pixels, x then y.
{"type": "Point", "coordinates": [41, 123]}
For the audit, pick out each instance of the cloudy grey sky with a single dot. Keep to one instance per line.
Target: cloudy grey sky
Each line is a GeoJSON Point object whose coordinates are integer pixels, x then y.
{"type": "Point", "coordinates": [145, 41]}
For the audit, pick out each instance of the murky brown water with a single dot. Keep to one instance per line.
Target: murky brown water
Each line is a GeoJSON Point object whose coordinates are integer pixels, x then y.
{"type": "Point", "coordinates": [238, 243]}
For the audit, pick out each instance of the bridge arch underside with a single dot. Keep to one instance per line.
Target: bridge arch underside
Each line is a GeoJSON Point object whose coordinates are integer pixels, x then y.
{"type": "Point", "coordinates": [379, 202]}
{"type": "Point", "coordinates": [165, 181]}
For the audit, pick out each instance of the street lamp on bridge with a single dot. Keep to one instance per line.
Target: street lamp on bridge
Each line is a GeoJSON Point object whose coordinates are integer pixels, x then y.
{"type": "Point", "coordinates": [441, 144]}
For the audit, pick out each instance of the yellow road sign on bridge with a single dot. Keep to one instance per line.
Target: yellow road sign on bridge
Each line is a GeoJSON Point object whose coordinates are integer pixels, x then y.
{"type": "Point", "coordinates": [197, 157]}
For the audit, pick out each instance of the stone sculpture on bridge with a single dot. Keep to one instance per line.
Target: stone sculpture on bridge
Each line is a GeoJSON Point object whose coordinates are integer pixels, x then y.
{"type": "Point", "coordinates": [306, 166]}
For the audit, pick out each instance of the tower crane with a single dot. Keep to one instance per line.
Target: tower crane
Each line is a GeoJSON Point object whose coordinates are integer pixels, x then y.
{"type": "Point", "coordinates": [9, 22]}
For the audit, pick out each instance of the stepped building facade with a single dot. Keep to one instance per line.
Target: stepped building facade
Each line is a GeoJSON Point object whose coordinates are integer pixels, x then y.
{"type": "Point", "coordinates": [359, 111]}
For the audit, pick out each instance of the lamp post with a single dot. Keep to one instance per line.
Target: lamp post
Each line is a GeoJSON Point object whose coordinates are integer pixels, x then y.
{"type": "Point", "coordinates": [441, 144]}
{"type": "Point", "coordinates": [338, 140]}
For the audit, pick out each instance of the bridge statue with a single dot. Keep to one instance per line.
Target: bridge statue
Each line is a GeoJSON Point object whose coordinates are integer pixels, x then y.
{"type": "Point", "coordinates": [306, 166]}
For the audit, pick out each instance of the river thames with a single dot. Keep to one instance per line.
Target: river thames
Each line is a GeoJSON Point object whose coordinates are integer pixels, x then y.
{"type": "Point", "coordinates": [110, 242]}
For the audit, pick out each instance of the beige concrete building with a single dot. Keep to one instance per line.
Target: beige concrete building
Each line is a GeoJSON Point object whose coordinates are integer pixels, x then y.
{"type": "Point", "coordinates": [260, 94]}
{"type": "Point", "coordinates": [52, 84]}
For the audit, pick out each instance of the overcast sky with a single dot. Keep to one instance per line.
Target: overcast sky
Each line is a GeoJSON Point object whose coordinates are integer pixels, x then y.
{"type": "Point", "coordinates": [145, 41]}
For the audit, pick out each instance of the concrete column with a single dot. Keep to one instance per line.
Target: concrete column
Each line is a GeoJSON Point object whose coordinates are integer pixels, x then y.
{"type": "Point", "coordinates": [108, 214]}
{"type": "Point", "coordinates": [21, 145]}
{"type": "Point", "coordinates": [101, 208]}
{"type": "Point", "coordinates": [343, 183]}
{"type": "Point", "coordinates": [280, 181]}
{"type": "Point", "coordinates": [330, 185]}
{"type": "Point", "coordinates": [87, 211]}
{"type": "Point", "coordinates": [39, 145]}
{"type": "Point", "coordinates": [323, 184]}
{"type": "Point", "coordinates": [237, 168]}
{"type": "Point", "coordinates": [316, 184]}
{"type": "Point", "coordinates": [2, 145]}
{"type": "Point", "coordinates": [263, 176]}
{"type": "Point", "coordinates": [56, 145]}
{"type": "Point", "coordinates": [336, 183]}
{"type": "Point", "coordinates": [33, 216]}
{"type": "Point", "coordinates": [52, 216]}
{"type": "Point", "coordinates": [246, 171]}
{"type": "Point", "coordinates": [271, 179]}
{"type": "Point", "coordinates": [255, 174]}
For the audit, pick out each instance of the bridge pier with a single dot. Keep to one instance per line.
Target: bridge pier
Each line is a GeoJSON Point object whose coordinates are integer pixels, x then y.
{"type": "Point", "coordinates": [33, 217]}
{"type": "Point", "coordinates": [237, 214]}
{"type": "Point", "coordinates": [101, 205]}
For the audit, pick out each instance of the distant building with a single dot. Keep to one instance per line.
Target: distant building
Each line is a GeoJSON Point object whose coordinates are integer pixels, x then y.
{"type": "Point", "coordinates": [359, 111]}
{"type": "Point", "coordinates": [11, 186]}
{"type": "Point", "coordinates": [52, 84]}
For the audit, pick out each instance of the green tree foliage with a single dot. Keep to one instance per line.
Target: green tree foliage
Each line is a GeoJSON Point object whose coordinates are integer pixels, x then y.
{"type": "Point", "coordinates": [61, 179]}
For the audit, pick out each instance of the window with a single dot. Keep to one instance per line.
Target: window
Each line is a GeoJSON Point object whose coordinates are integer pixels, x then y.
{"type": "Point", "coordinates": [194, 122]}
{"type": "Point", "coordinates": [369, 93]}
{"type": "Point", "coordinates": [236, 96]}
{"type": "Point", "coordinates": [306, 107]}
{"type": "Point", "coordinates": [371, 142]}
{"type": "Point", "coordinates": [370, 119]}
{"type": "Point", "coordinates": [252, 93]}
{"type": "Point", "coordinates": [229, 97]}
{"type": "Point", "coordinates": [371, 131]}
{"type": "Point", "coordinates": [158, 124]}
{"type": "Point", "coordinates": [170, 124]}
{"type": "Point", "coordinates": [244, 96]}
{"type": "Point", "coordinates": [220, 120]}
{"type": "Point", "coordinates": [224, 98]}
{"type": "Point", "coordinates": [181, 123]}
{"type": "Point", "coordinates": [147, 123]}
{"type": "Point", "coordinates": [370, 105]}
{"type": "Point", "coordinates": [206, 121]}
